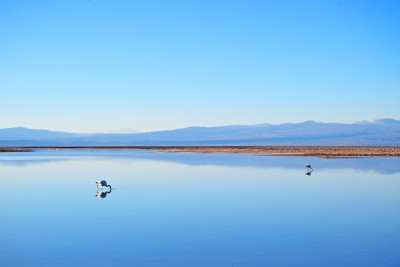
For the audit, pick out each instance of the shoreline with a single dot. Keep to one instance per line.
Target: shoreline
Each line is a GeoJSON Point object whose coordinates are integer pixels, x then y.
{"type": "Point", "coordinates": [317, 151]}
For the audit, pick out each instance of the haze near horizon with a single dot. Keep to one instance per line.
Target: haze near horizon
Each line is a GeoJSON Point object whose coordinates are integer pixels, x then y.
{"type": "Point", "coordinates": [100, 66]}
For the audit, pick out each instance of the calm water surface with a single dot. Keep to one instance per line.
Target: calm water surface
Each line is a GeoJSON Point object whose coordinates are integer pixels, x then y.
{"type": "Point", "coordinates": [197, 210]}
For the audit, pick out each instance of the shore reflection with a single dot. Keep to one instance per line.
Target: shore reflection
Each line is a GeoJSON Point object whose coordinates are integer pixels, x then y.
{"type": "Point", "coordinates": [382, 165]}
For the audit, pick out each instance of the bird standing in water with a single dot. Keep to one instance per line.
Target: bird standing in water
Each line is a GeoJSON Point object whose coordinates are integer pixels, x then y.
{"type": "Point", "coordinates": [102, 183]}
{"type": "Point", "coordinates": [100, 193]}
{"type": "Point", "coordinates": [309, 169]}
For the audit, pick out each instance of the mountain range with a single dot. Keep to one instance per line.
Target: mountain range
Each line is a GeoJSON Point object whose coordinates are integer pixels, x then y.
{"type": "Point", "coordinates": [382, 132]}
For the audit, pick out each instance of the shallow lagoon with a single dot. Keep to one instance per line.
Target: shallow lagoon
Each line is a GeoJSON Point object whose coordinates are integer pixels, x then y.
{"type": "Point", "coordinates": [180, 209]}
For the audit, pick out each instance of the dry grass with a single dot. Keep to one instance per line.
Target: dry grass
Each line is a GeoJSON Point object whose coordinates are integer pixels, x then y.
{"type": "Point", "coordinates": [14, 149]}
{"type": "Point", "coordinates": [320, 151]}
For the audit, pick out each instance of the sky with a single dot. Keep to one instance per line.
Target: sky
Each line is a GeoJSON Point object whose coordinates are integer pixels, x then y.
{"type": "Point", "coordinates": [146, 65]}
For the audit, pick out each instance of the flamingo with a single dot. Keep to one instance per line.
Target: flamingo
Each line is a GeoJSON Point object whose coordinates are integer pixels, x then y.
{"type": "Point", "coordinates": [309, 169]}
{"type": "Point", "coordinates": [103, 183]}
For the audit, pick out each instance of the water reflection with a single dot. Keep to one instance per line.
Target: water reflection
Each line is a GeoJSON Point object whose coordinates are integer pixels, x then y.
{"type": "Point", "coordinates": [308, 173]}
{"type": "Point", "coordinates": [102, 194]}
{"type": "Point", "coordinates": [199, 210]}
{"type": "Point", "coordinates": [382, 165]}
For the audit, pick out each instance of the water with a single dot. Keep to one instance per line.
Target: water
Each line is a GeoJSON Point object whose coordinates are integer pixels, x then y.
{"type": "Point", "coordinates": [197, 210]}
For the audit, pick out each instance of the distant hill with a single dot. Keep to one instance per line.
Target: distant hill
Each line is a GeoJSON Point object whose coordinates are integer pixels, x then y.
{"type": "Point", "coordinates": [383, 132]}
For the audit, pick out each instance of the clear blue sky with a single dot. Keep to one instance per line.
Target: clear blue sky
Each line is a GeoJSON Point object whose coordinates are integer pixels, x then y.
{"type": "Point", "coordinates": [98, 66]}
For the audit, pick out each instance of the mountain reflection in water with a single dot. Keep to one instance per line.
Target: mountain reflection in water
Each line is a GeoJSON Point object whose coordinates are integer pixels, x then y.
{"type": "Point", "coordinates": [382, 165]}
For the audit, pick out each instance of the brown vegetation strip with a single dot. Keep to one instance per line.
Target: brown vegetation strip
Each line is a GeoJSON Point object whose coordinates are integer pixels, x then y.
{"type": "Point", "coordinates": [14, 149]}
{"type": "Point", "coordinates": [320, 151]}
